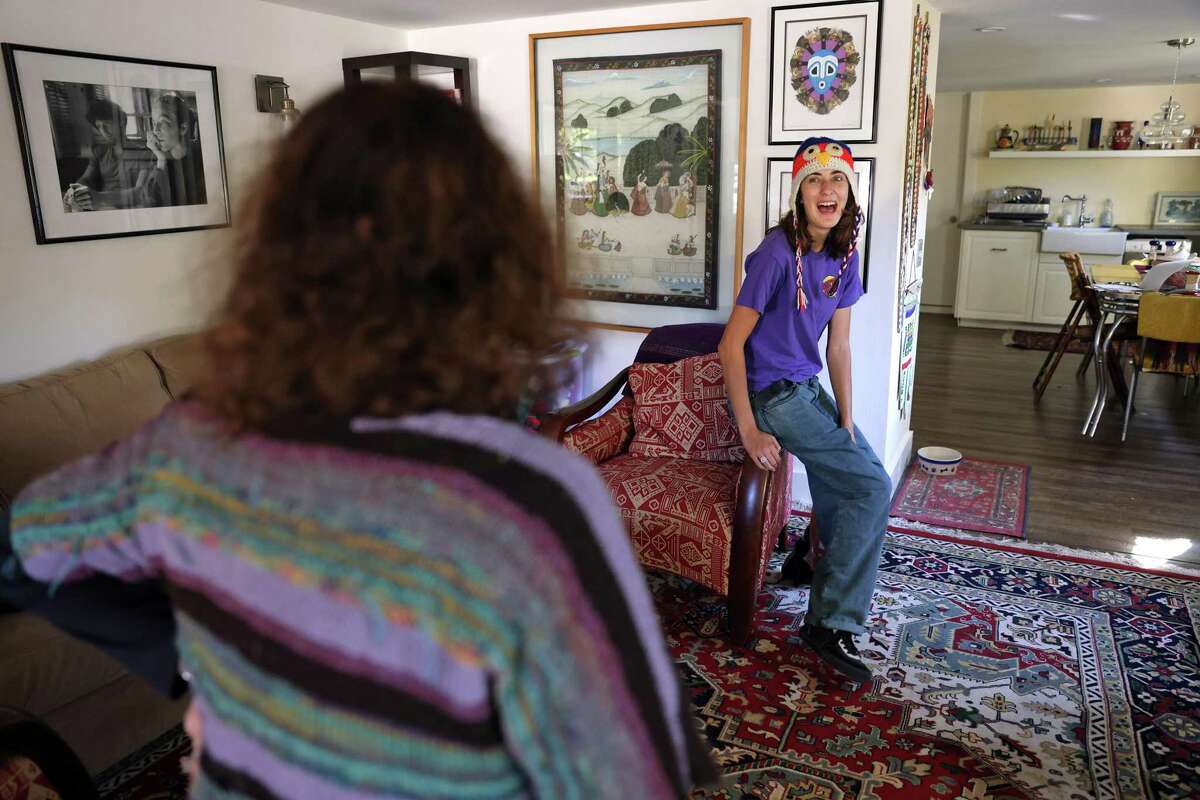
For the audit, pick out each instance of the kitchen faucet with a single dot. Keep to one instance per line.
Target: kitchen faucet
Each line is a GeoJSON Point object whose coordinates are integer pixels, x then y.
{"type": "Point", "coordinates": [1083, 217]}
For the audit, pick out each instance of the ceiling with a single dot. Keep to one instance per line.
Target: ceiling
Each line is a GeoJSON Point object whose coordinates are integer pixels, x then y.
{"type": "Point", "coordinates": [417, 14]}
{"type": "Point", "coordinates": [1042, 47]}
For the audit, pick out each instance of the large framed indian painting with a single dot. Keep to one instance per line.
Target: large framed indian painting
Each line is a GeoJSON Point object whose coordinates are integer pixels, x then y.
{"type": "Point", "coordinates": [779, 184]}
{"type": "Point", "coordinates": [638, 142]}
{"type": "Point", "coordinates": [824, 71]}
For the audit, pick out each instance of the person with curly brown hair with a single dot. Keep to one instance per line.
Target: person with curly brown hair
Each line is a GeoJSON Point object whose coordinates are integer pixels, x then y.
{"type": "Point", "coordinates": [382, 587]}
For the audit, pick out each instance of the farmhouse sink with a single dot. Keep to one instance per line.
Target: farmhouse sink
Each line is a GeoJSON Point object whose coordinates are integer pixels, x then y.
{"type": "Point", "coordinates": [1099, 241]}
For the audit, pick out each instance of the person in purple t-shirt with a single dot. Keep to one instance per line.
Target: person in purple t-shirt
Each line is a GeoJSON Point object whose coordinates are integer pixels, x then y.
{"type": "Point", "coordinates": [800, 283]}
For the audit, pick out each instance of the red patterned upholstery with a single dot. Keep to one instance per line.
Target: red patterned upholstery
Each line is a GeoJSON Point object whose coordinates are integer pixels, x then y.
{"type": "Point", "coordinates": [680, 410]}
{"type": "Point", "coordinates": [679, 512]}
{"type": "Point", "coordinates": [605, 436]}
{"type": "Point", "coordinates": [673, 460]}
{"type": "Point", "coordinates": [22, 779]}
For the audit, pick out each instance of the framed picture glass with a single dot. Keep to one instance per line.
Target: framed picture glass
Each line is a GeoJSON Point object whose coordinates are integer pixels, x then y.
{"type": "Point", "coordinates": [779, 184]}
{"type": "Point", "coordinates": [1177, 208]}
{"type": "Point", "coordinates": [638, 139]}
{"type": "Point", "coordinates": [824, 71]}
{"type": "Point", "coordinates": [117, 146]}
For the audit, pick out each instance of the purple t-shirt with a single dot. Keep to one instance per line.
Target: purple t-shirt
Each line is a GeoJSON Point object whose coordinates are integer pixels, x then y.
{"type": "Point", "coordinates": [784, 343]}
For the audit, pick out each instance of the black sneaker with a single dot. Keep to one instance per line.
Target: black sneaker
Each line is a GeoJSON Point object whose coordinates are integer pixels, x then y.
{"type": "Point", "coordinates": [836, 648]}
{"type": "Point", "coordinates": [796, 570]}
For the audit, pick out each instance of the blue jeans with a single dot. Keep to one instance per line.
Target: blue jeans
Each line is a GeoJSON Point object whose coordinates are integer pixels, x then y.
{"type": "Point", "coordinates": [851, 496]}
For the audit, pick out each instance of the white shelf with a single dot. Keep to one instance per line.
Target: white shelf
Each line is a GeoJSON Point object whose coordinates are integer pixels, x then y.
{"type": "Point", "coordinates": [1195, 153]}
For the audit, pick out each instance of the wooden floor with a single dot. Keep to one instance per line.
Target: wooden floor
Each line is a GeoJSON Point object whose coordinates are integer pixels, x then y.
{"type": "Point", "coordinates": [974, 394]}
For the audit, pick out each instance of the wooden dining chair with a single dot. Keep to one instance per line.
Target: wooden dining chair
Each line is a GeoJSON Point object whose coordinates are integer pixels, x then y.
{"type": "Point", "coordinates": [1074, 328]}
{"type": "Point", "coordinates": [1080, 326]}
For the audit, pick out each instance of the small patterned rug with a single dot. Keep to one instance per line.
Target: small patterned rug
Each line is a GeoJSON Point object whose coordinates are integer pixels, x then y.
{"type": "Point", "coordinates": [986, 496]}
{"type": "Point", "coordinates": [1040, 340]}
{"type": "Point", "coordinates": [151, 773]}
{"type": "Point", "coordinates": [1001, 673]}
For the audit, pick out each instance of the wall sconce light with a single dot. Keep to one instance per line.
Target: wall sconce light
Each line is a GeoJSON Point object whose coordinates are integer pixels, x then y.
{"type": "Point", "coordinates": [271, 96]}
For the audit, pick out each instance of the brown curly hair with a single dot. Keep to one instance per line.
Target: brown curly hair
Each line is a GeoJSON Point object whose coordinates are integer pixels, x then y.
{"type": "Point", "coordinates": [390, 263]}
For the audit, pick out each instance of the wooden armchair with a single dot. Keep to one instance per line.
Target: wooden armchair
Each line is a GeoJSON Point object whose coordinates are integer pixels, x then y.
{"type": "Point", "coordinates": [712, 516]}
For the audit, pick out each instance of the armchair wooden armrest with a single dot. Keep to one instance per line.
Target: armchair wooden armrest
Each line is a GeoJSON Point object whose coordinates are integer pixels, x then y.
{"type": "Point", "coordinates": [556, 424]}
{"type": "Point", "coordinates": [745, 549]}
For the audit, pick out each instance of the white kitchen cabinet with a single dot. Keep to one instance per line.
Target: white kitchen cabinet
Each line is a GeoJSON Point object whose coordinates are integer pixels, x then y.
{"type": "Point", "coordinates": [1052, 294]}
{"type": "Point", "coordinates": [1004, 279]}
{"type": "Point", "coordinates": [997, 273]}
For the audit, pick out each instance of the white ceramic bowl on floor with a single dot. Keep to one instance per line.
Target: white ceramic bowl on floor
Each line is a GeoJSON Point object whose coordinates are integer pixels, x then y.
{"type": "Point", "coordinates": [939, 460]}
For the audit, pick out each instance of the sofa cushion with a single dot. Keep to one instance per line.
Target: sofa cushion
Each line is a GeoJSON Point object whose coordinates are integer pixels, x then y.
{"type": "Point", "coordinates": [42, 669]}
{"type": "Point", "coordinates": [601, 438]}
{"type": "Point", "coordinates": [48, 421]}
{"type": "Point", "coordinates": [680, 410]}
{"type": "Point", "coordinates": [182, 360]}
{"type": "Point", "coordinates": [679, 513]}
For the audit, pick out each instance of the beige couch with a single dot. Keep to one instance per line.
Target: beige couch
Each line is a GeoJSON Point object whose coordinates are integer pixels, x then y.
{"type": "Point", "coordinates": [100, 709]}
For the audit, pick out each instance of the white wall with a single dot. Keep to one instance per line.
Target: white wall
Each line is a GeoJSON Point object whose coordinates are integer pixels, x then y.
{"type": "Point", "coordinates": [62, 303]}
{"type": "Point", "coordinates": [501, 53]}
{"type": "Point", "coordinates": [941, 234]}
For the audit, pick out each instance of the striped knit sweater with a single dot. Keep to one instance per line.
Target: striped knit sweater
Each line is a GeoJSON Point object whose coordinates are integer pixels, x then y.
{"type": "Point", "coordinates": [446, 608]}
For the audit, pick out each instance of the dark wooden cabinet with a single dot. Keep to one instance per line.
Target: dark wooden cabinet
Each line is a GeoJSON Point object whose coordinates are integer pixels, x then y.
{"type": "Point", "coordinates": [416, 66]}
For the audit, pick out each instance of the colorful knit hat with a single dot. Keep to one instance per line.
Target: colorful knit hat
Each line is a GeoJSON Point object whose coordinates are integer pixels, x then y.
{"type": "Point", "coordinates": [815, 154]}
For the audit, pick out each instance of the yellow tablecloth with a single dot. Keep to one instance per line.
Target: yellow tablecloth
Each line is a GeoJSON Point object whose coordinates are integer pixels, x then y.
{"type": "Point", "coordinates": [1115, 273]}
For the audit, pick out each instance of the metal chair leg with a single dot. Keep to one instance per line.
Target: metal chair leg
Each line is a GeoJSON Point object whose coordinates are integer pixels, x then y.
{"type": "Point", "coordinates": [1098, 330]}
{"type": "Point", "coordinates": [1102, 350]}
{"type": "Point", "coordinates": [1133, 389]}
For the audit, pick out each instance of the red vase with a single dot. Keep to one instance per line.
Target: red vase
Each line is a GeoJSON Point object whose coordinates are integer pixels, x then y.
{"type": "Point", "coordinates": [1122, 136]}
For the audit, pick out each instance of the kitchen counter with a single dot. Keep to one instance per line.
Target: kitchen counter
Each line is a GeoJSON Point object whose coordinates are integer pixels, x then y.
{"type": "Point", "coordinates": [1161, 232]}
{"type": "Point", "coordinates": [1036, 227]}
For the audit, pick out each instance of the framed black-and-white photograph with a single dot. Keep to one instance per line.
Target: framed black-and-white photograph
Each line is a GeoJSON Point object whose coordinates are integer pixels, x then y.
{"type": "Point", "coordinates": [779, 183]}
{"type": "Point", "coordinates": [824, 71]}
{"type": "Point", "coordinates": [117, 146]}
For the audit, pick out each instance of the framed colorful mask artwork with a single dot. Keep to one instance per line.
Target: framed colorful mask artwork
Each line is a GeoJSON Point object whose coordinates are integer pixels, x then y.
{"type": "Point", "coordinates": [637, 146]}
{"type": "Point", "coordinates": [824, 71]}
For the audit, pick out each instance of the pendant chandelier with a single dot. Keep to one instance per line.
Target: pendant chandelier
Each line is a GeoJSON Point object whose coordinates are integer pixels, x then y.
{"type": "Point", "coordinates": [1167, 128]}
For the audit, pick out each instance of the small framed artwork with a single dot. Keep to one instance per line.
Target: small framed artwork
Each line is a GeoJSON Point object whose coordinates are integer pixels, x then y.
{"type": "Point", "coordinates": [638, 142]}
{"type": "Point", "coordinates": [824, 71]}
{"type": "Point", "coordinates": [1177, 208]}
{"type": "Point", "coordinates": [117, 146]}
{"type": "Point", "coordinates": [779, 184]}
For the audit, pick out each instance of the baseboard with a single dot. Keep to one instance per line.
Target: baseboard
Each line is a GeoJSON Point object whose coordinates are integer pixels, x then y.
{"type": "Point", "coordinates": [899, 463]}
{"type": "Point", "coordinates": [802, 497]}
{"type": "Point", "coordinates": [1001, 325]}
{"type": "Point", "coordinates": [932, 309]}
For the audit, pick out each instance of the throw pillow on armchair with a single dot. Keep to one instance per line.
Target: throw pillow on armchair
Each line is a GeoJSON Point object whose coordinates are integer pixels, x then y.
{"type": "Point", "coordinates": [680, 410]}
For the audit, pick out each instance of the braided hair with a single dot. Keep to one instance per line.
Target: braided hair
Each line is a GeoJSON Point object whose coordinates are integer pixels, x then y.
{"type": "Point", "coordinates": [841, 242]}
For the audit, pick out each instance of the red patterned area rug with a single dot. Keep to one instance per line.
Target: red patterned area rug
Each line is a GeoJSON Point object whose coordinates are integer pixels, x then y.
{"type": "Point", "coordinates": [986, 496]}
{"type": "Point", "coordinates": [1001, 674]}
{"type": "Point", "coordinates": [1040, 340]}
{"type": "Point", "coordinates": [151, 773]}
